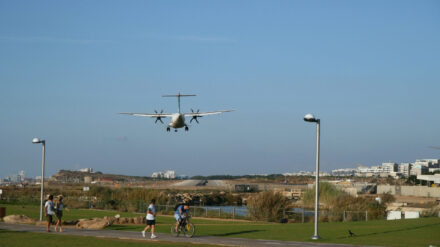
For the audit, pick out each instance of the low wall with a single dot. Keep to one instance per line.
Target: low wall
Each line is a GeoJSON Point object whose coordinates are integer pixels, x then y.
{"type": "Point", "coordinates": [423, 191]}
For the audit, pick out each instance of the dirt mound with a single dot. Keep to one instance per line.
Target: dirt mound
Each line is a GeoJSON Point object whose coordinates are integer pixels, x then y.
{"type": "Point", "coordinates": [95, 223]}
{"type": "Point", "coordinates": [18, 219]}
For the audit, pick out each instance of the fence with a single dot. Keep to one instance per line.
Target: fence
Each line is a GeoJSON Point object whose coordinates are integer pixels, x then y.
{"type": "Point", "coordinates": [293, 215]}
{"type": "Point", "coordinates": [225, 212]}
{"type": "Point", "coordinates": [302, 216]}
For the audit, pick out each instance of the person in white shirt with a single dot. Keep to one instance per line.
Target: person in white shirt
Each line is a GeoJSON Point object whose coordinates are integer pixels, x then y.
{"type": "Point", "coordinates": [49, 212]}
{"type": "Point", "coordinates": [151, 219]}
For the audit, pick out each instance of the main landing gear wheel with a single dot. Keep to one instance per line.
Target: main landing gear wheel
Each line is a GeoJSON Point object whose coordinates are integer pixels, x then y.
{"type": "Point", "coordinates": [168, 129]}
{"type": "Point", "coordinates": [186, 128]}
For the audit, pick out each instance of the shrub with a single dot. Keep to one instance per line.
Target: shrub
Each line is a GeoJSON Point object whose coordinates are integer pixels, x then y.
{"type": "Point", "coordinates": [432, 212]}
{"type": "Point", "coordinates": [267, 206]}
{"type": "Point", "coordinates": [327, 193]}
{"type": "Point", "coordinates": [387, 198]}
{"type": "Point", "coordinates": [357, 206]}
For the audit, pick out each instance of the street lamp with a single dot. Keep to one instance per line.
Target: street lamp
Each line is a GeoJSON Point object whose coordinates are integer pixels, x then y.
{"type": "Point", "coordinates": [311, 118]}
{"type": "Point", "coordinates": [35, 141]}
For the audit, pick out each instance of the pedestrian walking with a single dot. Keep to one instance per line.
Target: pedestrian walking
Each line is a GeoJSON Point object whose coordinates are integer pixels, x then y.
{"type": "Point", "coordinates": [151, 219]}
{"type": "Point", "coordinates": [49, 211]}
{"type": "Point", "coordinates": [59, 207]}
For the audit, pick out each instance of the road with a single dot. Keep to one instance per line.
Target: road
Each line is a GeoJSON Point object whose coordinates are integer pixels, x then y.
{"type": "Point", "coordinates": [167, 237]}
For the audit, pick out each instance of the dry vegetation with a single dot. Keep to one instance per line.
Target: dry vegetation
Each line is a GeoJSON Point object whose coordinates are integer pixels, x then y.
{"type": "Point", "coordinates": [267, 206]}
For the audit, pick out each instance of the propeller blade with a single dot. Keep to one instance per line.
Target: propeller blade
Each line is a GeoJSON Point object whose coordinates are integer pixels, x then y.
{"type": "Point", "coordinates": [192, 110]}
{"type": "Point", "coordinates": [161, 111]}
{"type": "Point", "coordinates": [194, 118]}
{"type": "Point", "coordinates": [155, 111]}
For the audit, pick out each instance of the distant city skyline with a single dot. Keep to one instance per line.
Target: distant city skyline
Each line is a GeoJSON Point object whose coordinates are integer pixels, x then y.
{"type": "Point", "coordinates": [404, 169]}
{"type": "Point", "coordinates": [368, 70]}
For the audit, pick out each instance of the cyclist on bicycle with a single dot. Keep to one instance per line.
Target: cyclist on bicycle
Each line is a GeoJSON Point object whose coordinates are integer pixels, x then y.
{"type": "Point", "coordinates": [180, 213]}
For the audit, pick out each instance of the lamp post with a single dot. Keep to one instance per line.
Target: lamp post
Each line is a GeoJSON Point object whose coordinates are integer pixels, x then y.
{"type": "Point", "coordinates": [35, 141]}
{"type": "Point", "coordinates": [311, 118]}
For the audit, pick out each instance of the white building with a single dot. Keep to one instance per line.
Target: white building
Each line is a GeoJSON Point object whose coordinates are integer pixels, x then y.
{"type": "Point", "coordinates": [389, 167]}
{"type": "Point", "coordinates": [364, 171]}
{"type": "Point", "coordinates": [22, 175]}
{"type": "Point", "coordinates": [157, 175]}
{"type": "Point", "coordinates": [169, 174]}
{"type": "Point", "coordinates": [164, 174]}
{"type": "Point", "coordinates": [404, 169]}
{"type": "Point", "coordinates": [419, 169]}
{"type": "Point", "coordinates": [88, 170]}
{"type": "Point", "coordinates": [433, 162]}
{"type": "Point", "coordinates": [430, 163]}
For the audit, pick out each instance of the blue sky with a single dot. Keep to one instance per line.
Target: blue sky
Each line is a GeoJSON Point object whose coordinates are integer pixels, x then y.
{"type": "Point", "coordinates": [368, 69]}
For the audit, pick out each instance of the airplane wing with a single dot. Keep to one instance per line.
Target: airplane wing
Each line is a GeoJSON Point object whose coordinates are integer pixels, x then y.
{"type": "Point", "coordinates": [198, 114]}
{"type": "Point", "coordinates": [162, 115]}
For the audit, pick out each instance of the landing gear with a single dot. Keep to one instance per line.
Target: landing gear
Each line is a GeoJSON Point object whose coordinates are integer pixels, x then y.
{"type": "Point", "coordinates": [168, 129]}
{"type": "Point", "coordinates": [186, 128]}
{"type": "Point", "coordinates": [175, 130]}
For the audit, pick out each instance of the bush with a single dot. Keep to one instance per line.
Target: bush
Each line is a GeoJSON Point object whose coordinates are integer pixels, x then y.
{"type": "Point", "coordinates": [356, 207]}
{"type": "Point", "coordinates": [387, 198]}
{"type": "Point", "coordinates": [327, 193]}
{"type": "Point", "coordinates": [432, 212]}
{"type": "Point", "coordinates": [267, 206]}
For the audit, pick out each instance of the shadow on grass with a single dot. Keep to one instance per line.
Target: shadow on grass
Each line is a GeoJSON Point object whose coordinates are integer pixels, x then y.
{"type": "Point", "coordinates": [4, 231]}
{"type": "Point", "coordinates": [125, 227]}
{"type": "Point", "coordinates": [391, 231]}
{"type": "Point", "coordinates": [235, 233]}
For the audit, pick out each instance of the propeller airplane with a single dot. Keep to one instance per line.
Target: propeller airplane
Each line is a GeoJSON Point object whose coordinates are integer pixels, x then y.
{"type": "Point", "coordinates": [177, 119]}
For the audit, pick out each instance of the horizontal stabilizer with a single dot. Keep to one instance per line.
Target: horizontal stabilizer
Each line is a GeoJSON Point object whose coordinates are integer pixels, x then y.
{"type": "Point", "coordinates": [178, 95]}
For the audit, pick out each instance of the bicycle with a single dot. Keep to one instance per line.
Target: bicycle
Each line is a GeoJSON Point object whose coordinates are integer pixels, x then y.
{"type": "Point", "coordinates": [185, 226]}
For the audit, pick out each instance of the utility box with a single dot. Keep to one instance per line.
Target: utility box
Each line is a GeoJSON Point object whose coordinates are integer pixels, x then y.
{"type": "Point", "coordinates": [394, 215]}
{"type": "Point", "coordinates": [2, 212]}
{"type": "Point", "coordinates": [412, 215]}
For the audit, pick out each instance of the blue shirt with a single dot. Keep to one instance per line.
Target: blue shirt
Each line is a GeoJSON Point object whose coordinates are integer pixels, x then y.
{"type": "Point", "coordinates": [180, 208]}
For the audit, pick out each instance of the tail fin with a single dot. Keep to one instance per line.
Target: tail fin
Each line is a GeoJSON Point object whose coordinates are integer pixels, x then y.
{"type": "Point", "coordinates": [178, 97]}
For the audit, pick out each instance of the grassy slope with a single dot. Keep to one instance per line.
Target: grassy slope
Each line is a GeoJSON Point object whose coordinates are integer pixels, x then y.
{"type": "Point", "coordinates": [417, 232]}
{"type": "Point", "coordinates": [19, 239]}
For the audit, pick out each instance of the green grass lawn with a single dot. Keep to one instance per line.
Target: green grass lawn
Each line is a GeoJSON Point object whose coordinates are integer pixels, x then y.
{"type": "Point", "coordinates": [416, 232]}
{"type": "Point", "coordinates": [20, 239]}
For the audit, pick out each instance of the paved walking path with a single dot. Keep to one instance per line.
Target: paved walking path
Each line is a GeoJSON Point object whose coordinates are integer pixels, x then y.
{"type": "Point", "coordinates": [166, 237]}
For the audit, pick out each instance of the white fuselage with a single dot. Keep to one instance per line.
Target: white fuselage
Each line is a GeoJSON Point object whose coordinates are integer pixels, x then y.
{"type": "Point", "coordinates": [177, 121]}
